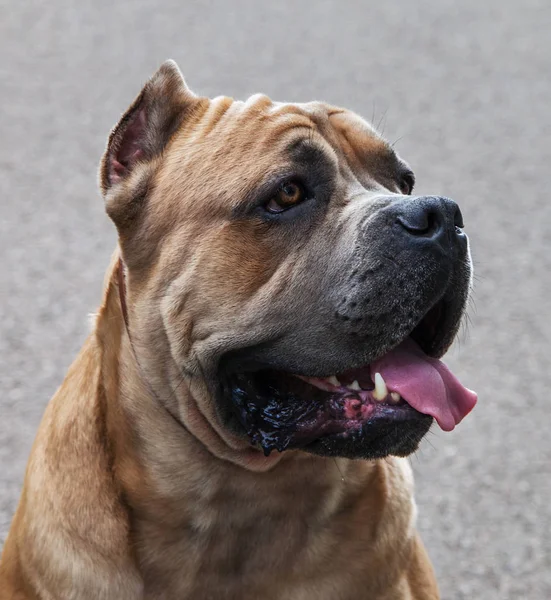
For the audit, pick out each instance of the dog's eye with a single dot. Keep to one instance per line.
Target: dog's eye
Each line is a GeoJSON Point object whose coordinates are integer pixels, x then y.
{"type": "Point", "coordinates": [288, 195]}
{"type": "Point", "coordinates": [407, 183]}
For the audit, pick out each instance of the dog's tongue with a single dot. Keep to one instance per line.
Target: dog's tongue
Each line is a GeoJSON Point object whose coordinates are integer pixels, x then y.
{"type": "Point", "coordinates": [425, 383]}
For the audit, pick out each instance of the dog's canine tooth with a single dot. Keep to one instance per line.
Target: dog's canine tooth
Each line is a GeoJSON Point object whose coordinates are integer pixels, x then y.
{"type": "Point", "coordinates": [333, 381]}
{"type": "Point", "coordinates": [395, 397]}
{"type": "Point", "coordinates": [354, 386]}
{"type": "Point", "coordinates": [381, 391]}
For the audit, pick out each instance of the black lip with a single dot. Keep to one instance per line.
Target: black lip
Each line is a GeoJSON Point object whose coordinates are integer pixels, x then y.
{"type": "Point", "coordinates": [278, 412]}
{"type": "Point", "coordinates": [386, 436]}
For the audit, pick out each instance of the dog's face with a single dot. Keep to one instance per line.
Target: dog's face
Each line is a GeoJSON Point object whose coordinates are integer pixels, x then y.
{"type": "Point", "coordinates": [280, 270]}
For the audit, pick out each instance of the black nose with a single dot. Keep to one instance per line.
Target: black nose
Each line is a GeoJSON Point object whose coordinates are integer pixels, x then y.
{"type": "Point", "coordinates": [429, 218]}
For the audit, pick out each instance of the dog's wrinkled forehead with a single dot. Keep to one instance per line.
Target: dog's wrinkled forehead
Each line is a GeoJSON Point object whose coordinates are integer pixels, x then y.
{"type": "Point", "coordinates": [235, 146]}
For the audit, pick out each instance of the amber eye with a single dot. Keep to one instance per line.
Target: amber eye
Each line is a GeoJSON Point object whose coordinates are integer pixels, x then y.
{"type": "Point", "coordinates": [288, 195]}
{"type": "Point", "coordinates": [407, 183]}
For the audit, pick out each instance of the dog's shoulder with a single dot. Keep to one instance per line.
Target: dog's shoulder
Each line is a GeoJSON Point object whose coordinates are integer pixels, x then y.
{"type": "Point", "coordinates": [78, 539]}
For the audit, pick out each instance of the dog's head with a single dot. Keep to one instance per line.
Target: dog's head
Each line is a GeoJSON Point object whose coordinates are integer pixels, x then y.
{"type": "Point", "coordinates": [285, 288]}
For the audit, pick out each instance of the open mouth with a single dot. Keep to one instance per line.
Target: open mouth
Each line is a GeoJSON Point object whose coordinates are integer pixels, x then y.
{"type": "Point", "coordinates": [282, 410]}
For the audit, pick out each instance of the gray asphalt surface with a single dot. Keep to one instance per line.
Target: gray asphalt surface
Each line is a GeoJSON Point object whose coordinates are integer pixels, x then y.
{"type": "Point", "coordinates": [464, 86]}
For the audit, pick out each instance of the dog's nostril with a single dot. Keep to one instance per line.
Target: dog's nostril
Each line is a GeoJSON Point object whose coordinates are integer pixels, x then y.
{"type": "Point", "coordinates": [458, 219]}
{"type": "Point", "coordinates": [420, 222]}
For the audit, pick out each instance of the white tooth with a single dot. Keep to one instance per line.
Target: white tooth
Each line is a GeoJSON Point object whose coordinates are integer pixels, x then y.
{"type": "Point", "coordinates": [334, 381]}
{"type": "Point", "coordinates": [395, 397]}
{"type": "Point", "coordinates": [381, 391]}
{"type": "Point", "coordinates": [354, 386]}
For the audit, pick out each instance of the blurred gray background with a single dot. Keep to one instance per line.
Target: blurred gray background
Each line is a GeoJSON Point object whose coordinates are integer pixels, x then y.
{"type": "Point", "coordinates": [464, 86]}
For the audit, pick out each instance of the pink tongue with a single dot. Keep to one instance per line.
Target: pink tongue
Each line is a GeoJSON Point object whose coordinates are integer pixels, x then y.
{"type": "Point", "coordinates": [425, 383]}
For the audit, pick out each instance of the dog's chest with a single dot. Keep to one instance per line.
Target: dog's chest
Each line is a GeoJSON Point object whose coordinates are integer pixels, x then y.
{"type": "Point", "coordinates": [225, 551]}
{"type": "Point", "coordinates": [315, 544]}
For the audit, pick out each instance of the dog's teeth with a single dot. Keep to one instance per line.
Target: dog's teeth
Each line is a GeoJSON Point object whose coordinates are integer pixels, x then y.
{"type": "Point", "coordinates": [381, 391]}
{"type": "Point", "coordinates": [354, 386]}
{"type": "Point", "coordinates": [334, 381]}
{"type": "Point", "coordinates": [395, 397]}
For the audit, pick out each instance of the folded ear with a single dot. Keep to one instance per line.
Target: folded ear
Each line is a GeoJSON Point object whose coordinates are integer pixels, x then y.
{"type": "Point", "coordinates": [146, 127]}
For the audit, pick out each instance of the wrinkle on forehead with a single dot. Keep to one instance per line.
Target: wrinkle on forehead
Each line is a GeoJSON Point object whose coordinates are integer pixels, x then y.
{"type": "Point", "coordinates": [234, 144]}
{"type": "Point", "coordinates": [364, 155]}
{"type": "Point", "coordinates": [250, 121]}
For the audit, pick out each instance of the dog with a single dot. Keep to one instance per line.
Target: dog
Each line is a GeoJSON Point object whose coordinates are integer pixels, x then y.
{"type": "Point", "coordinates": [265, 356]}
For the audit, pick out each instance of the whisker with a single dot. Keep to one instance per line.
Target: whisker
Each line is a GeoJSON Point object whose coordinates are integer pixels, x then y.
{"type": "Point", "coordinates": [383, 117]}
{"type": "Point", "coordinates": [338, 468]}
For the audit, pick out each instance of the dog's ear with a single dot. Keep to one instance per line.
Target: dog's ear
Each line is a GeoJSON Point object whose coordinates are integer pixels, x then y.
{"type": "Point", "coordinates": [146, 127]}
